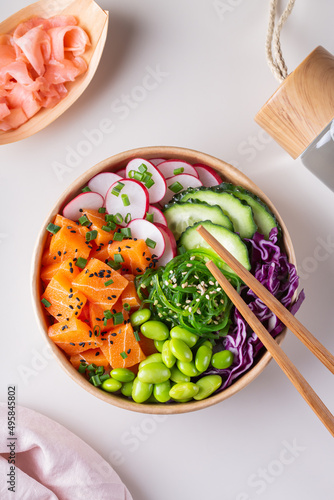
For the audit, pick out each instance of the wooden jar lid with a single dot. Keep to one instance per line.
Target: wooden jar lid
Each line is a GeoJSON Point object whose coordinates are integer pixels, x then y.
{"type": "Point", "coordinates": [303, 105]}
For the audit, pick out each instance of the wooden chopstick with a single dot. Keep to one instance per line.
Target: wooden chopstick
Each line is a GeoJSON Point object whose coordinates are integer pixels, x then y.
{"type": "Point", "coordinates": [275, 350]}
{"type": "Point", "coordinates": [301, 332]}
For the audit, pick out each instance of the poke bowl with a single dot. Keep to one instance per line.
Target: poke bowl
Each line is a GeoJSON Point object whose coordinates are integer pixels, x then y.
{"type": "Point", "coordinates": [130, 334]}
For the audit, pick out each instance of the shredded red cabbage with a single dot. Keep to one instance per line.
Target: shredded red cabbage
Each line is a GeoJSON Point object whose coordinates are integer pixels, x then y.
{"type": "Point", "coordinates": [271, 267]}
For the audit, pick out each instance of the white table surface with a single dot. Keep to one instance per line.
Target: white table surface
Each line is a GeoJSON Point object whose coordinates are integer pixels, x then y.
{"type": "Point", "coordinates": [264, 442]}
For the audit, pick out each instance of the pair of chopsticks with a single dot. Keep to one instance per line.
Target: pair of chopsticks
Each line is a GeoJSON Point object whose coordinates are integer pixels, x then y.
{"type": "Point", "coordinates": [267, 340]}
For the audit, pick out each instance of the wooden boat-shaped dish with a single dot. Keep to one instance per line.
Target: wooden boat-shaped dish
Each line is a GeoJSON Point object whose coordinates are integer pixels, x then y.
{"type": "Point", "coordinates": [229, 174]}
{"type": "Point", "coordinates": [94, 21]}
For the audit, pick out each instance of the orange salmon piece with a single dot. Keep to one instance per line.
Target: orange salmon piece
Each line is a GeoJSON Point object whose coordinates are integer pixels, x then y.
{"type": "Point", "coordinates": [73, 336]}
{"type": "Point", "coordinates": [95, 356]}
{"type": "Point", "coordinates": [98, 221]}
{"type": "Point", "coordinates": [68, 266]}
{"type": "Point", "coordinates": [68, 243]}
{"type": "Point", "coordinates": [66, 301]}
{"type": "Point", "coordinates": [121, 340]}
{"type": "Point", "coordinates": [101, 253]}
{"type": "Point", "coordinates": [70, 224]}
{"type": "Point", "coordinates": [136, 254]}
{"type": "Point", "coordinates": [93, 283]}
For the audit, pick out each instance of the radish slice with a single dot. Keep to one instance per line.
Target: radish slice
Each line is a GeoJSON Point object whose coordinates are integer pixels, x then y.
{"type": "Point", "coordinates": [73, 210]}
{"type": "Point", "coordinates": [157, 161]}
{"type": "Point", "coordinates": [121, 172]}
{"type": "Point", "coordinates": [158, 216]}
{"type": "Point", "coordinates": [168, 168]}
{"type": "Point", "coordinates": [207, 175]}
{"type": "Point", "coordinates": [100, 183]}
{"type": "Point", "coordinates": [170, 249]}
{"type": "Point", "coordinates": [132, 192]}
{"type": "Point", "coordinates": [145, 230]}
{"type": "Point", "coordinates": [158, 189]}
{"type": "Point", "coordinates": [184, 181]}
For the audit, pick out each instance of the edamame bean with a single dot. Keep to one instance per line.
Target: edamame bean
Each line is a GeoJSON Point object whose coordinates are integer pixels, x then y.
{"type": "Point", "coordinates": [161, 391]}
{"type": "Point", "coordinates": [141, 391]}
{"type": "Point", "coordinates": [207, 386]}
{"type": "Point", "coordinates": [183, 334]}
{"type": "Point", "coordinates": [122, 374]}
{"type": "Point", "coordinates": [126, 389]}
{"type": "Point", "coordinates": [222, 359]}
{"type": "Point", "coordinates": [187, 368]}
{"type": "Point", "coordinates": [183, 391]}
{"type": "Point", "coordinates": [154, 373]}
{"type": "Point", "coordinates": [153, 358]}
{"type": "Point", "coordinates": [167, 356]}
{"type": "Point", "coordinates": [180, 350]}
{"type": "Point", "coordinates": [155, 330]}
{"type": "Point", "coordinates": [158, 344]}
{"type": "Point", "coordinates": [177, 376]}
{"type": "Point", "coordinates": [203, 358]}
{"type": "Point", "coordinates": [208, 344]}
{"type": "Point", "coordinates": [137, 318]}
{"type": "Point", "coordinates": [111, 385]}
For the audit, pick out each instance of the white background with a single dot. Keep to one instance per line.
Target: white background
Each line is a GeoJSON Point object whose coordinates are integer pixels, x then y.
{"type": "Point", "coordinates": [216, 79]}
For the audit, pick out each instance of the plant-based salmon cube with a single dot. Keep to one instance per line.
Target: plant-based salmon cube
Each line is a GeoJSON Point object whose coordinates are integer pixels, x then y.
{"type": "Point", "coordinates": [68, 266]}
{"type": "Point", "coordinates": [135, 254]}
{"type": "Point", "coordinates": [61, 299]}
{"type": "Point", "coordinates": [73, 336]}
{"type": "Point", "coordinates": [121, 347]}
{"type": "Point", "coordinates": [95, 356]}
{"type": "Point", "coordinates": [100, 284]}
{"type": "Point", "coordinates": [69, 243]}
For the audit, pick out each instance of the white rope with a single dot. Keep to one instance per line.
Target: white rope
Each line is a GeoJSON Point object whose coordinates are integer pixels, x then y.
{"type": "Point", "coordinates": [273, 44]}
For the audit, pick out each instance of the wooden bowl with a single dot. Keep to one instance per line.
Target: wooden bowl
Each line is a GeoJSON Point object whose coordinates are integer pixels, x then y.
{"type": "Point", "coordinates": [228, 173]}
{"type": "Point", "coordinates": [94, 21]}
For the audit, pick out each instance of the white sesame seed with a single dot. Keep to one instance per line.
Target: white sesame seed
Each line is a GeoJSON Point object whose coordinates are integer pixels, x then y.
{"type": "Point", "coordinates": [188, 301]}
{"type": "Point", "coordinates": [222, 301]}
{"type": "Point", "coordinates": [190, 309]}
{"type": "Point", "coordinates": [189, 265]}
{"type": "Point", "coordinates": [192, 257]}
{"type": "Point", "coordinates": [211, 283]}
{"type": "Point", "coordinates": [175, 285]}
{"type": "Point", "coordinates": [207, 296]}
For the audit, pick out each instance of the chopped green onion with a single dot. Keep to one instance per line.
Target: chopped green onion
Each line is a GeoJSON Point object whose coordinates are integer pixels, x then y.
{"type": "Point", "coordinates": [118, 258]}
{"type": "Point", "coordinates": [120, 186]}
{"type": "Point", "coordinates": [107, 314]}
{"type": "Point", "coordinates": [91, 367]}
{"type": "Point", "coordinates": [82, 367]}
{"type": "Point", "coordinates": [109, 282]}
{"type": "Point", "coordinates": [81, 262]}
{"type": "Point", "coordinates": [136, 334]}
{"type": "Point", "coordinates": [91, 235]}
{"type": "Point", "coordinates": [118, 237]}
{"type": "Point", "coordinates": [106, 228]}
{"type": "Point", "coordinates": [113, 265]}
{"type": "Point", "coordinates": [104, 377]}
{"type": "Point", "coordinates": [105, 321]}
{"type": "Point", "coordinates": [149, 183]}
{"type": "Point", "coordinates": [123, 354]}
{"type": "Point", "coordinates": [127, 218]}
{"type": "Point", "coordinates": [115, 191]}
{"type": "Point", "coordinates": [126, 232]}
{"type": "Point", "coordinates": [142, 168]}
{"type": "Point", "coordinates": [118, 318]}
{"type": "Point", "coordinates": [138, 176]}
{"type": "Point", "coordinates": [46, 302]}
{"type": "Point", "coordinates": [95, 380]}
{"type": "Point", "coordinates": [102, 210]}
{"type": "Point", "coordinates": [118, 218]}
{"type": "Point", "coordinates": [99, 370]}
{"type": "Point", "coordinates": [178, 171]}
{"type": "Point", "coordinates": [84, 221]}
{"type": "Point", "coordinates": [97, 332]}
{"type": "Point", "coordinates": [112, 225]}
{"type": "Point", "coordinates": [126, 306]}
{"type": "Point", "coordinates": [149, 217]}
{"type": "Point", "coordinates": [125, 200]}
{"type": "Point", "coordinates": [176, 187]}
{"type": "Point", "coordinates": [109, 218]}
{"type": "Point", "coordinates": [52, 228]}
{"type": "Point", "coordinates": [150, 243]}
{"type": "Point", "coordinates": [131, 174]}
{"type": "Point", "coordinates": [86, 190]}
{"type": "Point", "coordinates": [147, 177]}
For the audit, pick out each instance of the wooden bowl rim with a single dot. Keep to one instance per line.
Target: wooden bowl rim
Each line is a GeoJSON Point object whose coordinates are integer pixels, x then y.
{"type": "Point", "coordinates": [111, 164]}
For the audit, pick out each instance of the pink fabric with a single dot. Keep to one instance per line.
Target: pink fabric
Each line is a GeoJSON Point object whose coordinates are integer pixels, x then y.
{"type": "Point", "coordinates": [52, 463]}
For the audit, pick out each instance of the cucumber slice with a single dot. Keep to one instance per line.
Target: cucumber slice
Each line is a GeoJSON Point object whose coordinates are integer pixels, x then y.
{"type": "Point", "coordinates": [264, 219]}
{"type": "Point", "coordinates": [237, 211]}
{"type": "Point", "coordinates": [191, 239]}
{"type": "Point", "coordinates": [179, 216]}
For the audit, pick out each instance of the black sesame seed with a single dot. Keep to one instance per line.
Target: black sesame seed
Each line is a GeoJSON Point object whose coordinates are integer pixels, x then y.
{"type": "Point", "coordinates": [97, 354]}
